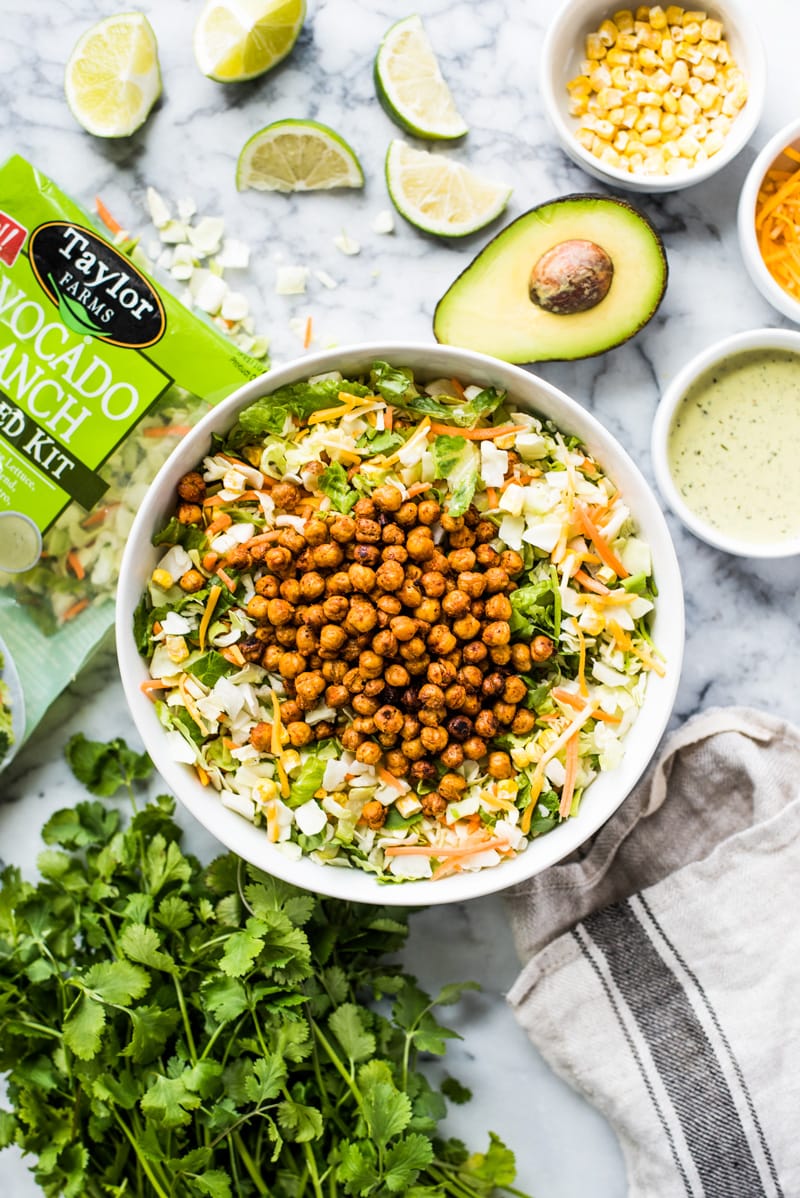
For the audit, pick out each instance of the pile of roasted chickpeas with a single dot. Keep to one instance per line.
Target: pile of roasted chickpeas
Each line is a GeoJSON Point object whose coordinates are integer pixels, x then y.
{"type": "Point", "coordinates": [403, 633]}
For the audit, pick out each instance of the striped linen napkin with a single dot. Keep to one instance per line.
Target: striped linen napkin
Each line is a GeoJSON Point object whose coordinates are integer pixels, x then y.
{"type": "Point", "coordinates": [662, 965]}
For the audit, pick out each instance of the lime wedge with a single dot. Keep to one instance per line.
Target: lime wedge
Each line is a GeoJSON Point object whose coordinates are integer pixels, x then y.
{"type": "Point", "coordinates": [297, 156]}
{"type": "Point", "coordinates": [410, 85]}
{"type": "Point", "coordinates": [235, 40]}
{"type": "Point", "coordinates": [438, 195]}
{"type": "Point", "coordinates": [112, 78]}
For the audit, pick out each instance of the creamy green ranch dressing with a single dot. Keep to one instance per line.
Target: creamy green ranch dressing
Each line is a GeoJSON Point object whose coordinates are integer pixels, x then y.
{"type": "Point", "coordinates": [732, 446]}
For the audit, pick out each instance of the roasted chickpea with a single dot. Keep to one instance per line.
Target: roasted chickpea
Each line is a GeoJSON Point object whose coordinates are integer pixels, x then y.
{"type": "Point", "coordinates": [404, 628]}
{"type": "Point", "coordinates": [485, 531]}
{"type": "Point", "coordinates": [390, 605]}
{"type": "Point", "coordinates": [397, 675]}
{"type": "Point", "coordinates": [368, 753]}
{"type": "Point", "coordinates": [285, 495]}
{"type": "Point", "coordinates": [471, 706]}
{"type": "Point", "coordinates": [505, 712]}
{"type": "Point", "coordinates": [397, 763]}
{"type": "Point", "coordinates": [459, 727]}
{"type": "Point", "coordinates": [351, 739]}
{"type": "Point", "coordinates": [511, 562]}
{"type": "Point", "coordinates": [413, 572]}
{"type": "Point", "coordinates": [411, 727]}
{"type": "Point", "coordinates": [286, 636]}
{"type": "Point", "coordinates": [267, 586]}
{"type": "Point", "coordinates": [521, 657]}
{"type": "Point", "coordinates": [314, 616]}
{"type": "Point", "coordinates": [514, 690]}
{"type": "Point", "coordinates": [441, 673]}
{"type": "Point", "coordinates": [343, 529]}
{"type": "Point", "coordinates": [452, 786]}
{"type": "Point", "coordinates": [261, 737]}
{"type": "Point", "coordinates": [541, 648]}
{"type": "Point", "coordinates": [279, 612]}
{"type": "Point", "coordinates": [486, 724]}
{"type": "Point", "coordinates": [474, 748]}
{"type": "Point", "coordinates": [389, 719]}
{"type": "Point", "coordinates": [500, 766]}
{"type": "Point", "coordinates": [384, 643]}
{"type": "Point", "coordinates": [418, 666]}
{"type": "Point", "coordinates": [312, 586]}
{"type": "Point", "coordinates": [432, 696]}
{"type": "Point", "coordinates": [455, 696]}
{"type": "Point", "coordinates": [423, 771]}
{"type": "Point", "coordinates": [470, 676]}
{"type": "Point", "coordinates": [366, 555]}
{"type": "Point", "coordinates": [361, 616]}
{"type": "Point", "coordinates": [497, 633]}
{"type": "Point", "coordinates": [309, 687]}
{"type": "Point", "coordinates": [291, 664]}
{"type": "Point", "coordinates": [304, 562]}
{"type": "Point", "coordinates": [434, 805]}
{"type": "Point", "coordinates": [290, 591]}
{"type": "Point", "coordinates": [290, 711]}
{"type": "Point", "coordinates": [455, 604]}
{"type": "Point", "coordinates": [277, 559]}
{"type": "Point", "coordinates": [466, 628]}
{"type": "Point", "coordinates": [428, 511]}
{"type": "Point", "coordinates": [353, 681]}
{"type": "Point", "coordinates": [433, 583]}
{"type": "Point", "coordinates": [334, 671]}
{"type": "Point", "coordinates": [365, 705]}
{"type": "Point", "coordinates": [409, 650]}
{"type": "Point", "coordinates": [462, 538]}
{"type": "Point", "coordinates": [387, 498]}
{"type": "Point", "coordinates": [406, 515]}
{"type": "Point", "coordinates": [452, 756]}
{"type": "Point", "coordinates": [368, 532]}
{"type": "Point", "coordinates": [409, 594]}
{"type": "Point", "coordinates": [258, 607]}
{"type": "Point", "coordinates": [365, 724]}
{"type": "Point", "coordinates": [315, 532]}
{"type": "Point", "coordinates": [429, 610]}
{"type": "Point", "coordinates": [190, 513]}
{"type": "Point", "coordinates": [192, 487]}
{"type": "Point", "coordinates": [331, 638]}
{"type": "Point", "coordinates": [461, 560]}
{"type": "Point", "coordinates": [292, 540]}
{"type": "Point", "coordinates": [413, 748]}
{"type": "Point", "coordinates": [395, 553]}
{"type": "Point", "coordinates": [474, 653]}
{"type": "Point", "coordinates": [373, 814]}
{"type": "Point", "coordinates": [300, 733]}
{"type": "Point", "coordinates": [523, 722]}
{"type": "Point", "coordinates": [498, 607]}
{"type": "Point", "coordinates": [434, 739]}
{"type": "Point", "coordinates": [370, 664]}
{"type": "Point", "coordinates": [362, 578]}
{"type": "Point", "coordinates": [328, 556]}
{"type": "Point", "coordinates": [335, 608]}
{"type": "Point", "coordinates": [251, 648]}
{"type": "Point", "coordinates": [420, 545]}
{"type": "Point", "coordinates": [364, 507]}
{"type": "Point", "coordinates": [500, 654]}
{"type": "Point", "coordinates": [496, 579]}
{"type": "Point", "coordinates": [338, 583]}
{"type": "Point", "coordinates": [393, 537]}
{"type": "Point", "coordinates": [390, 576]}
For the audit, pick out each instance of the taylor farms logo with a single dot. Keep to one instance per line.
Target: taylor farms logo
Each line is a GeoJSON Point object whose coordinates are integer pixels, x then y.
{"type": "Point", "coordinates": [98, 292]}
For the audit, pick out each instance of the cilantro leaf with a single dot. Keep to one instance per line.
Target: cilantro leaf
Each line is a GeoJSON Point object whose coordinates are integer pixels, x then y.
{"type": "Point", "coordinates": [404, 1160]}
{"type": "Point", "coordinates": [142, 944]}
{"type": "Point", "coordinates": [104, 768]}
{"type": "Point", "coordinates": [299, 1122]}
{"type": "Point", "coordinates": [116, 982]}
{"type": "Point", "coordinates": [168, 1102]}
{"type": "Point", "coordinates": [347, 1024]}
{"type": "Point", "coordinates": [84, 1026]}
{"type": "Point", "coordinates": [387, 1110]}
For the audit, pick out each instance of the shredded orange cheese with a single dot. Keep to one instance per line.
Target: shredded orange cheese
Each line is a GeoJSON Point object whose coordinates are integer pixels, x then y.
{"type": "Point", "coordinates": [778, 224]}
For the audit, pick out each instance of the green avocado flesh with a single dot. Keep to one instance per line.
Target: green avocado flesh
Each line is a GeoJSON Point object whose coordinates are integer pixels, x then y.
{"type": "Point", "coordinates": [489, 306]}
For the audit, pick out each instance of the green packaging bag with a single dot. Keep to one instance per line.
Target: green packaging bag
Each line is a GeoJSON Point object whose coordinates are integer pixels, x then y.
{"type": "Point", "coordinates": [101, 373]}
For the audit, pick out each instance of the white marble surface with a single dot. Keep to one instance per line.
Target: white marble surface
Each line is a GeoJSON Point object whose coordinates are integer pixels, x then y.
{"type": "Point", "coordinates": [742, 616]}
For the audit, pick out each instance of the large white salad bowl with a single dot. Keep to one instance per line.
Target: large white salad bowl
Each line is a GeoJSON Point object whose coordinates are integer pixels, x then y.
{"type": "Point", "coordinates": [604, 795]}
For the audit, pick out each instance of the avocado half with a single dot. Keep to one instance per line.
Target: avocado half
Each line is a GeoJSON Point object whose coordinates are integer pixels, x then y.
{"type": "Point", "coordinates": [568, 279]}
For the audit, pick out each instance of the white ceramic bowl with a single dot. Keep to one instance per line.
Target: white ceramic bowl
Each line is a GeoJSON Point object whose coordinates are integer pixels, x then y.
{"type": "Point", "coordinates": [771, 155]}
{"type": "Point", "coordinates": [604, 795]}
{"type": "Point", "coordinates": [720, 351]}
{"type": "Point", "coordinates": [562, 51]}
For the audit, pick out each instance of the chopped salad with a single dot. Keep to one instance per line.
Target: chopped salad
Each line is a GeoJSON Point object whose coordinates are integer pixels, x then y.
{"type": "Point", "coordinates": [6, 715]}
{"type": "Point", "coordinates": [399, 626]}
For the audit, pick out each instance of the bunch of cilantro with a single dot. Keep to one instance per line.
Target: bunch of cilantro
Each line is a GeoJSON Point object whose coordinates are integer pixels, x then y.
{"type": "Point", "coordinates": [170, 1030]}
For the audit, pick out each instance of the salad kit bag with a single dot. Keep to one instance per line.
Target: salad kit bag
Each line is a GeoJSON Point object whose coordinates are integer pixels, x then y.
{"type": "Point", "coordinates": [672, 1004]}
{"type": "Point", "coordinates": [101, 373]}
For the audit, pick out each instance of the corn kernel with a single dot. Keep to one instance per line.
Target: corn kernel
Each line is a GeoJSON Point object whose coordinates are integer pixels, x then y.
{"type": "Point", "coordinates": [578, 105]}
{"type": "Point", "coordinates": [705, 70]}
{"type": "Point", "coordinates": [657, 17]}
{"type": "Point", "coordinates": [668, 123]}
{"type": "Point", "coordinates": [689, 54]}
{"type": "Point", "coordinates": [162, 578]}
{"type": "Point", "coordinates": [650, 39]}
{"type": "Point", "coordinates": [624, 20]}
{"type": "Point", "coordinates": [177, 649]}
{"type": "Point", "coordinates": [676, 34]}
{"type": "Point", "coordinates": [615, 116]}
{"type": "Point", "coordinates": [608, 33]}
{"type": "Point", "coordinates": [688, 145]}
{"type": "Point", "coordinates": [579, 86]}
{"type": "Point", "coordinates": [723, 53]}
{"type": "Point", "coordinates": [627, 41]}
{"type": "Point", "coordinates": [595, 49]}
{"type": "Point", "coordinates": [694, 85]}
{"type": "Point", "coordinates": [714, 142]}
{"type": "Point", "coordinates": [667, 51]}
{"type": "Point", "coordinates": [674, 15]}
{"type": "Point", "coordinates": [651, 137]}
{"type": "Point", "coordinates": [598, 145]}
{"type": "Point", "coordinates": [680, 73]}
{"type": "Point", "coordinates": [691, 32]}
{"type": "Point", "coordinates": [708, 49]}
{"type": "Point", "coordinates": [711, 30]}
{"type": "Point", "coordinates": [609, 97]}
{"type": "Point", "coordinates": [642, 13]}
{"type": "Point", "coordinates": [631, 113]}
{"type": "Point", "coordinates": [688, 106]}
{"type": "Point", "coordinates": [707, 94]}
{"type": "Point", "coordinates": [676, 166]}
{"type": "Point", "coordinates": [619, 78]}
{"type": "Point", "coordinates": [660, 81]}
{"type": "Point", "coordinates": [618, 58]}
{"type": "Point", "coordinates": [610, 156]}
{"type": "Point", "coordinates": [600, 77]}
{"type": "Point", "coordinates": [654, 163]}
{"type": "Point", "coordinates": [620, 142]}
{"type": "Point", "coordinates": [604, 129]}
{"type": "Point", "coordinates": [670, 149]}
{"type": "Point", "coordinates": [636, 162]}
{"type": "Point", "coordinates": [669, 102]}
{"type": "Point", "coordinates": [584, 137]}
{"type": "Point", "coordinates": [694, 17]}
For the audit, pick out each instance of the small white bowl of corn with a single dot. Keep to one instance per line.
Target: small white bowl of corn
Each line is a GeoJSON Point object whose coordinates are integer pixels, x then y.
{"type": "Point", "coordinates": [652, 99]}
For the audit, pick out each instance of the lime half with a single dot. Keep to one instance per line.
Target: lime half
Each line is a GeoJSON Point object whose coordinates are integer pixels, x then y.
{"type": "Point", "coordinates": [410, 85]}
{"type": "Point", "coordinates": [297, 156]}
{"type": "Point", "coordinates": [235, 40]}
{"type": "Point", "coordinates": [438, 195]}
{"type": "Point", "coordinates": [112, 78]}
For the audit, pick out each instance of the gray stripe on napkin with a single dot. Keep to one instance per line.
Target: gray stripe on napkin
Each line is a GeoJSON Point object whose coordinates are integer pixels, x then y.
{"type": "Point", "coordinates": [682, 1052]}
{"type": "Point", "coordinates": [745, 1090]}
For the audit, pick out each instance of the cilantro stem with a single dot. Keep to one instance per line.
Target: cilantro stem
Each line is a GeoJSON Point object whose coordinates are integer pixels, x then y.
{"type": "Point", "coordinates": [185, 1016]}
{"type": "Point", "coordinates": [312, 1169]}
{"type": "Point", "coordinates": [337, 1064]}
{"type": "Point", "coordinates": [250, 1166]}
{"type": "Point", "coordinates": [143, 1162]}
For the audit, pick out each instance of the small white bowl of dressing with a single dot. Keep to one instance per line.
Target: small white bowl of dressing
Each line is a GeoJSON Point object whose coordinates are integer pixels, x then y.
{"type": "Point", "coordinates": [724, 444]}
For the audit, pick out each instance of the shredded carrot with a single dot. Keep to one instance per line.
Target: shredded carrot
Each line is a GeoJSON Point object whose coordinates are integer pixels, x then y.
{"type": "Point", "coordinates": [277, 746]}
{"type": "Point", "coordinates": [477, 434]}
{"type": "Point", "coordinates": [226, 578]}
{"type": "Point", "coordinates": [593, 534]}
{"type": "Point", "coordinates": [389, 779]}
{"type": "Point", "coordinates": [591, 584]}
{"type": "Point", "coordinates": [576, 701]}
{"type": "Point", "coordinates": [75, 610]}
{"type": "Point", "coordinates": [210, 560]}
{"type": "Point", "coordinates": [459, 390]}
{"type": "Point", "coordinates": [263, 538]}
{"type": "Point", "coordinates": [432, 850]}
{"type": "Point", "coordinates": [167, 430]}
{"type": "Point", "coordinates": [537, 779]}
{"type": "Point", "coordinates": [191, 706]}
{"type": "Point", "coordinates": [213, 500]}
{"type": "Point", "coordinates": [213, 596]}
{"type": "Point", "coordinates": [570, 772]}
{"type": "Point", "coordinates": [233, 654]}
{"type": "Point", "coordinates": [417, 489]}
{"type": "Point", "coordinates": [626, 643]}
{"type": "Point", "coordinates": [202, 775]}
{"type": "Point", "coordinates": [491, 495]}
{"type": "Point", "coordinates": [388, 418]}
{"type": "Point", "coordinates": [308, 333]}
{"type": "Point", "coordinates": [154, 684]}
{"type": "Point", "coordinates": [75, 564]}
{"type": "Point", "coordinates": [220, 522]}
{"type": "Point", "coordinates": [777, 224]}
{"type": "Point", "coordinates": [98, 516]}
{"type": "Point", "coordinates": [108, 220]}
{"type": "Point", "coordinates": [157, 626]}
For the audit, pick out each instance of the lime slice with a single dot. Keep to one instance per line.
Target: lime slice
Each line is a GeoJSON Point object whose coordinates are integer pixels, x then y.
{"type": "Point", "coordinates": [236, 40]}
{"type": "Point", "coordinates": [112, 79]}
{"type": "Point", "coordinates": [439, 195]}
{"type": "Point", "coordinates": [297, 156]}
{"type": "Point", "coordinates": [410, 85]}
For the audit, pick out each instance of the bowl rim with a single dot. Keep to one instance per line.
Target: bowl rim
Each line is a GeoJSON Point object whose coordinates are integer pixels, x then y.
{"type": "Point", "coordinates": [746, 228]}
{"type": "Point", "coordinates": [743, 127]}
{"type": "Point", "coordinates": [736, 343]}
{"type": "Point", "coordinates": [237, 833]}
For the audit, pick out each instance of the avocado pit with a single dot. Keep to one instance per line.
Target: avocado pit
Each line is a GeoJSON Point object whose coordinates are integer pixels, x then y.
{"type": "Point", "coordinates": [572, 276]}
